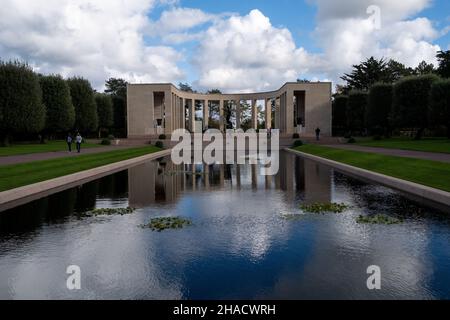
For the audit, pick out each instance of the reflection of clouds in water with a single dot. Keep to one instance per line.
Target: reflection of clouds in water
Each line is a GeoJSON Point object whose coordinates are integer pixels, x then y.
{"type": "Point", "coordinates": [112, 266]}
{"type": "Point", "coordinates": [236, 230]}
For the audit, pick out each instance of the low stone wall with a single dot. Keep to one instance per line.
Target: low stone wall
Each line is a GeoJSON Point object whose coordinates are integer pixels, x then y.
{"type": "Point", "coordinates": [15, 197]}
{"type": "Point", "coordinates": [420, 191]}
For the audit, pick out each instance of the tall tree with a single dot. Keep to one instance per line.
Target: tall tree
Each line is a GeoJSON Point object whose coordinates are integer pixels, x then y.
{"type": "Point", "coordinates": [21, 107]}
{"type": "Point", "coordinates": [395, 71]}
{"type": "Point", "coordinates": [410, 102]}
{"type": "Point", "coordinates": [60, 116]}
{"type": "Point", "coordinates": [424, 68]}
{"type": "Point", "coordinates": [186, 87]}
{"type": "Point", "coordinates": [444, 63]}
{"type": "Point", "coordinates": [104, 111]}
{"type": "Point", "coordinates": [86, 118]}
{"type": "Point", "coordinates": [439, 109]}
{"type": "Point", "coordinates": [117, 88]}
{"type": "Point", "coordinates": [214, 91]}
{"type": "Point", "coordinates": [364, 75]}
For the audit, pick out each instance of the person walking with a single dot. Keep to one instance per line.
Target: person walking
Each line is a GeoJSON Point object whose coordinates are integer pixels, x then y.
{"type": "Point", "coordinates": [318, 134]}
{"type": "Point", "coordinates": [69, 141]}
{"type": "Point", "coordinates": [79, 140]}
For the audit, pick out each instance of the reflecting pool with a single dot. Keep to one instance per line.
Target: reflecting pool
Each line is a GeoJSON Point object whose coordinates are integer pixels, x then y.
{"type": "Point", "coordinates": [240, 244]}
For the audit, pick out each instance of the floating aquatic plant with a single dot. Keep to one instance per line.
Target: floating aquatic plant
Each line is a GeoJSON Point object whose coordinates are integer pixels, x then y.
{"type": "Point", "coordinates": [109, 212]}
{"type": "Point", "coordinates": [324, 207]}
{"type": "Point", "coordinates": [164, 223]}
{"type": "Point", "coordinates": [378, 219]}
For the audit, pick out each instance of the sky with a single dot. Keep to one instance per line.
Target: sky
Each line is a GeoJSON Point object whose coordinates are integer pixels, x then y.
{"type": "Point", "coordinates": [232, 45]}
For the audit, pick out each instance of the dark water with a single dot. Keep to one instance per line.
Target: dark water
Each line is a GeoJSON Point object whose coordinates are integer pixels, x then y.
{"type": "Point", "coordinates": [239, 246]}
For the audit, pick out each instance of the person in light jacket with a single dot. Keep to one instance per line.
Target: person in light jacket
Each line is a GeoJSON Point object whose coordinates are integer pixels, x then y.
{"type": "Point", "coordinates": [78, 140]}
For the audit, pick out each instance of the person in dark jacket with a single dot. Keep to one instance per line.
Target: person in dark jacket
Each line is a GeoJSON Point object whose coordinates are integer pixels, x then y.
{"type": "Point", "coordinates": [69, 141]}
{"type": "Point", "coordinates": [318, 134]}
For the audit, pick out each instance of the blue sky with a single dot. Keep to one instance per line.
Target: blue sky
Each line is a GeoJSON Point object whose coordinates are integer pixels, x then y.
{"type": "Point", "coordinates": [227, 44]}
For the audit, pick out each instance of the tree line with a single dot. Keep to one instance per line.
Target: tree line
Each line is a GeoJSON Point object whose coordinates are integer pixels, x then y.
{"type": "Point", "coordinates": [382, 97]}
{"type": "Point", "coordinates": [50, 106]}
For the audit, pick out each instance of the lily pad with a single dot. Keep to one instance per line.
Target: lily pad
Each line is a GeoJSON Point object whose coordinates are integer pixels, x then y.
{"type": "Point", "coordinates": [164, 223]}
{"type": "Point", "coordinates": [109, 212]}
{"type": "Point", "coordinates": [325, 207]}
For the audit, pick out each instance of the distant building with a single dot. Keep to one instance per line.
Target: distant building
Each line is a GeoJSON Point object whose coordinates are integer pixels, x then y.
{"type": "Point", "coordinates": [155, 109]}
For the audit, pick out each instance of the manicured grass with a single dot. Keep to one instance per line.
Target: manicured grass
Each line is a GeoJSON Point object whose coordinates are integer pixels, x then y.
{"type": "Point", "coordinates": [13, 176]}
{"type": "Point", "coordinates": [50, 146]}
{"type": "Point", "coordinates": [430, 173]}
{"type": "Point", "coordinates": [427, 145]}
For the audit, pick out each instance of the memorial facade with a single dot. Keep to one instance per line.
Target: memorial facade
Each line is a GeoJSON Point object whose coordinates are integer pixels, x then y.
{"type": "Point", "coordinates": [155, 109]}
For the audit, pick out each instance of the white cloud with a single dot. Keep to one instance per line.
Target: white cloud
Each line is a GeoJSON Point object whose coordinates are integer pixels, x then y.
{"type": "Point", "coordinates": [96, 40]}
{"type": "Point", "coordinates": [179, 19]}
{"type": "Point", "coordinates": [348, 35]}
{"type": "Point", "coordinates": [248, 53]}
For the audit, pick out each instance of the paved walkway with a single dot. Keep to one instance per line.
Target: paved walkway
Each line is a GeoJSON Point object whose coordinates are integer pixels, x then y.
{"type": "Point", "coordinates": [442, 157]}
{"type": "Point", "coordinates": [55, 155]}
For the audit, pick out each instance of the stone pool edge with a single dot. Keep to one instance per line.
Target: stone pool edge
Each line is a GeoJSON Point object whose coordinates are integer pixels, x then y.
{"type": "Point", "coordinates": [22, 195]}
{"type": "Point", "coordinates": [428, 193]}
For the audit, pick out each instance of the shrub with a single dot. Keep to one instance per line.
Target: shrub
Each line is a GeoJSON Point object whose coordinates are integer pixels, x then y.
{"type": "Point", "coordinates": [439, 108]}
{"type": "Point", "coordinates": [298, 143]}
{"type": "Point", "coordinates": [159, 144]}
{"type": "Point", "coordinates": [339, 110]}
{"type": "Point", "coordinates": [162, 137]}
{"type": "Point", "coordinates": [60, 115]}
{"type": "Point", "coordinates": [295, 136]}
{"type": "Point", "coordinates": [410, 102]}
{"type": "Point", "coordinates": [86, 118]}
{"type": "Point", "coordinates": [104, 111]}
{"type": "Point", "coordinates": [21, 107]}
{"type": "Point", "coordinates": [356, 109]}
{"type": "Point", "coordinates": [379, 107]}
{"type": "Point", "coordinates": [106, 142]}
{"type": "Point", "coordinates": [351, 140]}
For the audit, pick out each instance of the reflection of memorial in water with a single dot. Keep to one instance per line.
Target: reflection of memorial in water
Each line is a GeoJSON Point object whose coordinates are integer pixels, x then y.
{"type": "Point", "coordinates": [163, 182]}
{"type": "Point", "coordinates": [155, 182]}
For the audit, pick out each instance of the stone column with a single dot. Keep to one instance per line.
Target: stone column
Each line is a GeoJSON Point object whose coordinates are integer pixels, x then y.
{"type": "Point", "coordinates": [277, 113]}
{"type": "Point", "coordinates": [168, 119]}
{"type": "Point", "coordinates": [238, 113]}
{"type": "Point", "coordinates": [192, 115]}
{"type": "Point", "coordinates": [222, 117]}
{"type": "Point", "coordinates": [206, 114]}
{"type": "Point", "coordinates": [268, 113]}
{"type": "Point", "coordinates": [289, 112]}
{"type": "Point", "coordinates": [183, 114]}
{"type": "Point", "coordinates": [255, 114]}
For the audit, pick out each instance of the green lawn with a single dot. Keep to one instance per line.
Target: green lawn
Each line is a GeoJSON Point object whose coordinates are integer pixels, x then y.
{"type": "Point", "coordinates": [50, 146]}
{"type": "Point", "coordinates": [13, 176]}
{"type": "Point", "coordinates": [430, 173]}
{"type": "Point", "coordinates": [427, 145]}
